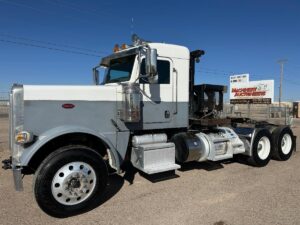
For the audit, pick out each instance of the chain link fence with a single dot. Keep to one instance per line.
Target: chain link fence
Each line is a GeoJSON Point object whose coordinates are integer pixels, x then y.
{"type": "Point", "coordinates": [4, 104]}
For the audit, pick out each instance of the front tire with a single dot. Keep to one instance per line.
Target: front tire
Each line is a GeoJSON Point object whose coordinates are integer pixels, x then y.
{"type": "Point", "coordinates": [70, 181]}
{"type": "Point", "coordinates": [261, 148]}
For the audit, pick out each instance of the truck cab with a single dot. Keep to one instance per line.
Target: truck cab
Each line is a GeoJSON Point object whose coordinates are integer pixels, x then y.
{"type": "Point", "coordinates": [160, 98]}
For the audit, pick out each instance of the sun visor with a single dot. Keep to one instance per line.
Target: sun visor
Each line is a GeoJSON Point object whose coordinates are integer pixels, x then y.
{"type": "Point", "coordinates": [106, 60]}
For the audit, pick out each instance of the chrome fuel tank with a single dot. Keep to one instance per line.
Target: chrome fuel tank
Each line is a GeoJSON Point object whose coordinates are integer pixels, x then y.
{"type": "Point", "coordinates": [191, 147]}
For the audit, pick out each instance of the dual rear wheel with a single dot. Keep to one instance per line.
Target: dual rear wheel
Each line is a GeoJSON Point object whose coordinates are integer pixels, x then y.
{"type": "Point", "coordinates": [284, 142]}
{"type": "Point", "coordinates": [278, 145]}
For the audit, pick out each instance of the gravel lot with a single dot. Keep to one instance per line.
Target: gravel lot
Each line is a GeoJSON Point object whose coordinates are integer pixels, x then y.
{"type": "Point", "coordinates": [202, 193]}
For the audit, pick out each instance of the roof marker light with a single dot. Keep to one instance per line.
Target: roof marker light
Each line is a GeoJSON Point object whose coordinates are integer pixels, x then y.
{"type": "Point", "coordinates": [116, 48]}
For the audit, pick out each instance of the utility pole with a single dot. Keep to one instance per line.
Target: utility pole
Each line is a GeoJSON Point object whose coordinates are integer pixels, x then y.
{"type": "Point", "coordinates": [281, 62]}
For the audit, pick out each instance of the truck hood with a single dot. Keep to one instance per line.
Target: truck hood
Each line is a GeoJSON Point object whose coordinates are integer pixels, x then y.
{"type": "Point", "coordinates": [70, 93]}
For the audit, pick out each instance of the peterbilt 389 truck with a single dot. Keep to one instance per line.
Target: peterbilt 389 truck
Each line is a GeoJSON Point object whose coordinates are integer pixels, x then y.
{"type": "Point", "coordinates": [147, 111]}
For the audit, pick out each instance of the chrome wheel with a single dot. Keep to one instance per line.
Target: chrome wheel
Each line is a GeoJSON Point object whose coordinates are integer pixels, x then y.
{"type": "Point", "coordinates": [286, 144]}
{"type": "Point", "coordinates": [73, 183]}
{"type": "Point", "coordinates": [264, 148]}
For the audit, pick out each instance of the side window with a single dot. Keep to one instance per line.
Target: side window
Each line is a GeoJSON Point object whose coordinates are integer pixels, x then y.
{"type": "Point", "coordinates": [163, 71]}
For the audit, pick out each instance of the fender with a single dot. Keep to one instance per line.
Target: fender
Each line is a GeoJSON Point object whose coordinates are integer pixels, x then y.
{"type": "Point", "coordinates": [49, 135]}
{"type": "Point", "coordinates": [247, 135]}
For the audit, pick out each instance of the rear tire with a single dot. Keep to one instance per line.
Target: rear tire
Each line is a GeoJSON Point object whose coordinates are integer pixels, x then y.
{"type": "Point", "coordinates": [283, 142]}
{"type": "Point", "coordinates": [261, 149]}
{"type": "Point", "coordinates": [70, 181]}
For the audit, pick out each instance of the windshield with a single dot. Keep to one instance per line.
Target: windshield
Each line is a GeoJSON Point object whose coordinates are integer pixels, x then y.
{"type": "Point", "coordinates": [120, 69]}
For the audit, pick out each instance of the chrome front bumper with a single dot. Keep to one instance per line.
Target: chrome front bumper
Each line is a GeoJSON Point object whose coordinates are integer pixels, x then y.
{"type": "Point", "coordinates": [17, 173]}
{"type": "Point", "coordinates": [18, 181]}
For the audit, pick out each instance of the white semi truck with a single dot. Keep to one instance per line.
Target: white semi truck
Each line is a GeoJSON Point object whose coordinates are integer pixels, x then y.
{"type": "Point", "coordinates": [147, 111]}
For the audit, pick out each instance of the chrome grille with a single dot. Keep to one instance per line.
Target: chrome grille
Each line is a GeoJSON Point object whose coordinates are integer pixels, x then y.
{"type": "Point", "coordinates": [16, 119]}
{"type": "Point", "coordinates": [10, 121]}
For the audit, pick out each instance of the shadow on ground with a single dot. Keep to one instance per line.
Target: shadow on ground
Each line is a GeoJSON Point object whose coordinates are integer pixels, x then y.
{"type": "Point", "coordinates": [208, 166]}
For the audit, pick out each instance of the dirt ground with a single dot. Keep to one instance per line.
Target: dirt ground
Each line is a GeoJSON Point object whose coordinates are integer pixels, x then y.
{"type": "Point", "coordinates": [201, 193]}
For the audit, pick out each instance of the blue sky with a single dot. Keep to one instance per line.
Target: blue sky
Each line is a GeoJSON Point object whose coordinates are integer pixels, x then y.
{"type": "Point", "coordinates": [238, 37]}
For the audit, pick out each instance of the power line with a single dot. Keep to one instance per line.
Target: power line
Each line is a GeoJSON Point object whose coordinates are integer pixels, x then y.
{"type": "Point", "coordinates": [213, 73]}
{"type": "Point", "coordinates": [291, 70]}
{"type": "Point", "coordinates": [68, 16]}
{"type": "Point", "coordinates": [49, 48]}
{"type": "Point", "coordinates": [95, 12]}
{"type": "Point", "coordinates": [77, 8]}
{"type": "Point", "coordinates": [216, 72]}
{"type": "Point", "coordinates": [39, 10]}
{"type": "Point", "coordinates": [69, 6]}
{"type": "Point", "coordinates": [222, 73]}
{"type": "Point", "coordinates": [292, 82]}
{"type": "Point", "coordinates": [51, 43]}
{"type": "Point", "coordinates": [294, 65]}
{"type": "Point", "coordinates": [21, 5]}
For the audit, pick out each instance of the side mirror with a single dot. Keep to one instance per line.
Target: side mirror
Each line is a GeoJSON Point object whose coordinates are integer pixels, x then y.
{"type": "Point", "coordinates": [151, 64]}
{"type": "Point", "coordinates": [96, 76]}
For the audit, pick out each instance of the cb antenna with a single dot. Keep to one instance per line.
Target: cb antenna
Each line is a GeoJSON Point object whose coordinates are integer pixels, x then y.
{"type": "Point", "coordinates": [132, 26]}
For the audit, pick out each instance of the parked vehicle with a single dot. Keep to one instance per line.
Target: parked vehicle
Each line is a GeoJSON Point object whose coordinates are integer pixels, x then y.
{"type": "Point", "coordinates": [147, 111]}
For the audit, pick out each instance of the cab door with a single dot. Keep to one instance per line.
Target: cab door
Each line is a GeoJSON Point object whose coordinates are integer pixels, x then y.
{"type": "Point", "coordinates": [158, 99]}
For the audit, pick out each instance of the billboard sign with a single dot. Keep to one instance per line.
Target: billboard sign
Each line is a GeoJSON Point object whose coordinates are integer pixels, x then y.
{"type": "Point", "coordinates": [256, 92]}
{"type": "Point", "coordinates": [239, 78]}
